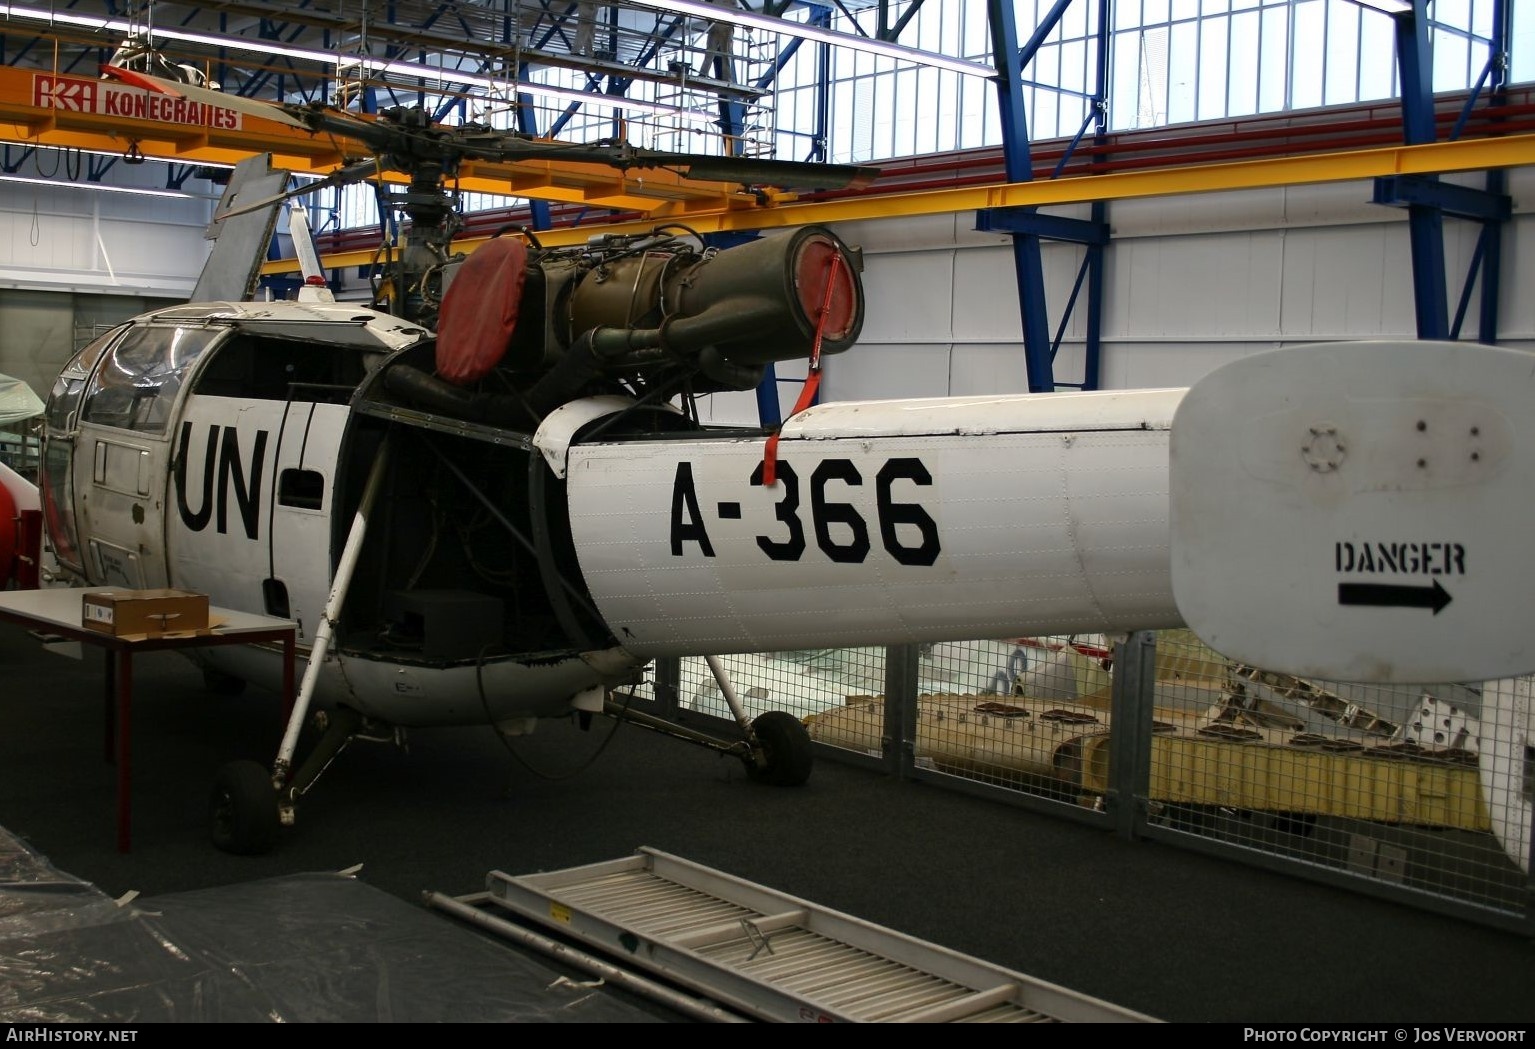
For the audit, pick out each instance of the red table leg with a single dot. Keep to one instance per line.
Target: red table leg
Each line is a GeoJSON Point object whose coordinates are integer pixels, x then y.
{"type": "Point", "coordinates": [109, 707]}
{"type": "Point", "coordinates": [124, 748]}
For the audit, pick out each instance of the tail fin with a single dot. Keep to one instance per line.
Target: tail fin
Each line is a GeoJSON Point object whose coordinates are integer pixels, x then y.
{"type": "Point", "coordinates": [240, 241]}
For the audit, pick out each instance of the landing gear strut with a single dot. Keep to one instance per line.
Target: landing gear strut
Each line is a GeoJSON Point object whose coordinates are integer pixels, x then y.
{"type": "Point", "coordinates": [246, 816]}
{"type": "Point", "coordinates": [250, 804]}
{"type": "Point", "coordinates": [777, 749]}
{"type": "Point", "coordinates": [779, 744]}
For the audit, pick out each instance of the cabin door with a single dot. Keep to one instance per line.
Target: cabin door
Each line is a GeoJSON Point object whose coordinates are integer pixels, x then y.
{"type": "Point", "coordinates": [123, 451]}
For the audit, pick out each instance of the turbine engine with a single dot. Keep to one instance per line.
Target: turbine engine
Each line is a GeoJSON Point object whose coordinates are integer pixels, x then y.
{"type": "Point", "coordinates": [522, 329]}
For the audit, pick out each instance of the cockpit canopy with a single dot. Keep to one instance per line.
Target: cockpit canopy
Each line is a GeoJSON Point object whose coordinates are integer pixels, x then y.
{"type": "Point", "coordinates": [137, 377]}
{"type": "Point", "coordinates": [135, 373]}
{"type": "Point", "coordinates": [141, 370]}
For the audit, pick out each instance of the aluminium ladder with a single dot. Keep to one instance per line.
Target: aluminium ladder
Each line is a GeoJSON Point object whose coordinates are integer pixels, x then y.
{"type": "Point", "coordinates": [770, 956]}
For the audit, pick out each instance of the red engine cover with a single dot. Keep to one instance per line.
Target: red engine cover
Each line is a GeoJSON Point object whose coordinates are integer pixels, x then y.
{"type": "Point", "coordinates": [826, 282]}
{"type": "Point", "coordinates": [479, 312]}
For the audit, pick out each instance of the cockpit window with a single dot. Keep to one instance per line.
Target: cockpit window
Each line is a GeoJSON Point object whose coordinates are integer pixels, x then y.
{"type": "Point", "coordinates": [135, 388]}
{"type": "Point", "coordinates": [65, 396]}
{"type": "Point", "coordinates": [251, 364]}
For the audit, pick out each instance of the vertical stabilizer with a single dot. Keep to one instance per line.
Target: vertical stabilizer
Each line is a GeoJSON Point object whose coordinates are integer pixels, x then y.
{"type": "Point", "coordinates": [240, 241]}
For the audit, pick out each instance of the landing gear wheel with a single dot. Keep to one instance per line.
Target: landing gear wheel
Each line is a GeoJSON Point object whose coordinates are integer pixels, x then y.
{"type": "Point", "coordinates": [222, 684]}
{"type": "Point", "coordinates": [243, 809]}
{"type": "Point", "coordinates": [786, 750]}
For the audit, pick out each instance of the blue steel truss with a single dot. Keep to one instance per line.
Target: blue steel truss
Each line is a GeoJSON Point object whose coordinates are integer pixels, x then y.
{"type": "Point", "coordinates": [1428, 201]}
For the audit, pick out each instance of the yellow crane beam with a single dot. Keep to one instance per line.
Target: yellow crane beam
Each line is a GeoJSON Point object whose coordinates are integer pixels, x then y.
{"type": "Point", "coordinates": [1304, 169]}
{"type": "Point", "coordinates": [40, 108]}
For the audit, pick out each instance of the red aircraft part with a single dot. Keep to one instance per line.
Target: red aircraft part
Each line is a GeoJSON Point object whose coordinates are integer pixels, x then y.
{"type": "Point", "coordinates": [479, 312]}
{"type": "Point", "coordinates": [8, 536]}
{"type": "Point", "coordinates": [29, 550]}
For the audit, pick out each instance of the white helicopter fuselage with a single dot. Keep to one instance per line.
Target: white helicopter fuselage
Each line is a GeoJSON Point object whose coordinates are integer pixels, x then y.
{"type": "Point", "coordinates": [220, 537]}
{"type": "Point", "coordinates": [901, 521]}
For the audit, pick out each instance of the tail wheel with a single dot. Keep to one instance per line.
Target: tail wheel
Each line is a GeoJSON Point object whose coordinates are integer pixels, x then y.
{"type": "Point", "coordinates": [243, 809]}
{"type": "Point", "coordinates": [786, 750]}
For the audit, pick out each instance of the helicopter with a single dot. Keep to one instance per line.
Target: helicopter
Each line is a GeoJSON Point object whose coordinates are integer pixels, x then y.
{"type": "Point", "coordinates": [491, 497]}
{"type": "Point", "coordinates": [267, 426]}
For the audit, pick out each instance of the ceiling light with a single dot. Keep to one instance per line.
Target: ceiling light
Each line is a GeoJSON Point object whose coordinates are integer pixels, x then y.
{"type": "Point", "coordinates": [118, 27]}
{"type": "Point", "coordinates": [118, 155]}
{"type": "Point", "coordinates": [100, 188]}
{"type": "Point", "coordinates": [749, 20]}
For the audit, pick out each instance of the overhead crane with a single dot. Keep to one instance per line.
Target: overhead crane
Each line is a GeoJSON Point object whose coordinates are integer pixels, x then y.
{"type": "Point", "coordinates": [40, 108]}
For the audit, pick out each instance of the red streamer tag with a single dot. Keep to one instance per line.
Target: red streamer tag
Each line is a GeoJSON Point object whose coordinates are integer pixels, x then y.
{"type": "Point", "coordinates": [812, 379]}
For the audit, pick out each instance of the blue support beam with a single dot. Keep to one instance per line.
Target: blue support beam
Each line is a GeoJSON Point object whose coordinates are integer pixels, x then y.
{"type": "Point", "coordinates": [1464, 202]}
{"type": "Point", "coordinates": [1092, 356]}
{"type": "Point", "coordinates": [13, 157]}
{"type": "Point", "coordinates": [1490, 248]}
{"type": "Point", "coordinates": [822, 127]}
{"type": "Point", "coordinates": [1428, 200]}
{"type": "Point", "coordinates": [1051, 227]}
{"type": "Point", "coordinates": [539, 214]}
{"type": "Point", "coordinates": [1490, 244]}
{"type": "Point", "coordinates": [176, 175]}
{"type": "Point", "coordinates": [1026, 226]}
{"type": "Point", "coordinates": [1414, 56]}
{"type": "Point", "coordinates": [1018, 164]}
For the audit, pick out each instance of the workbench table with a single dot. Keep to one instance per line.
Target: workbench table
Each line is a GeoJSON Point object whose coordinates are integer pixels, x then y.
{"type": "Point", "coordinates": [57, 611]}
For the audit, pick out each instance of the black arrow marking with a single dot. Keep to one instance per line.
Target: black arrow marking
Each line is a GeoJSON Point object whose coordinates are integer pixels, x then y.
{"type": "Point", "coordinates": [1385, 595]}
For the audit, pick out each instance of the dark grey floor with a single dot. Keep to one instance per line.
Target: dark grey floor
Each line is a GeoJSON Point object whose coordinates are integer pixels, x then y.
{"type": "Point", "coordinates": [1147, 926]}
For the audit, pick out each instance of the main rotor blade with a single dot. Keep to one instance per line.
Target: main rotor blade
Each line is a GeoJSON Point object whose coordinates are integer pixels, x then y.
{"type": "Point", "coordinates": [249, 106]}
{"type": "Point", "coordinates": [786, 173]}
{"type": "Point", "coordinates": [341, 176]}
{"type": "Point", "coordinates": [706, 167]}
{"type": "Point", "coordinates": [511, 146]}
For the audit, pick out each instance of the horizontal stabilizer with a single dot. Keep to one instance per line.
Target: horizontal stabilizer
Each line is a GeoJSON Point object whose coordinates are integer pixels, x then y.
{"type": "Point", "coordinates": [1356, 511]}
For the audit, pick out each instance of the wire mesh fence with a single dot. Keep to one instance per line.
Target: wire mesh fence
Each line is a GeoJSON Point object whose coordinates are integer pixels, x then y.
{"type": "Point", "coordinates": [1422, 792]}
{"type": "Point", "coordinates": [1394, 784]}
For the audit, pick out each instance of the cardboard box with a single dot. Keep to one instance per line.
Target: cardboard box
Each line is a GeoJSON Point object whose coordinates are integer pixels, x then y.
{"type": "Point", "coordinates": [144, 613]}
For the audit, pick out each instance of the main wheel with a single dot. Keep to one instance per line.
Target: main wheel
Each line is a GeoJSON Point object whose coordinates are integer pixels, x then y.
{"type": "Point", "coordinates": [786, 750]}
{"type": "Point", "coordinates": [243, 809]}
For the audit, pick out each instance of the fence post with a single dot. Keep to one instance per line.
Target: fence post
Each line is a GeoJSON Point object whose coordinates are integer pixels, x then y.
{"type": "Point", "coordinates": [667, 686]}
{"type": "Point", "coordinates": [899, 741]}
{"type": "Point", "coordinates": [1133, 697]}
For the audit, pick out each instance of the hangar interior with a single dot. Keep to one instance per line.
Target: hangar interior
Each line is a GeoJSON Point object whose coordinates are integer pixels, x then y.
{"type": "Point", "coordinates": [1062, 195]}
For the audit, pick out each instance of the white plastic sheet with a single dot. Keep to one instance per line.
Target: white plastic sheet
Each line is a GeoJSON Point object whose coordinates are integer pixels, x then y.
{"type": "Point", "coordinates": [303, 948]}
{"type": "Point", "coordinates": [17, 401]}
